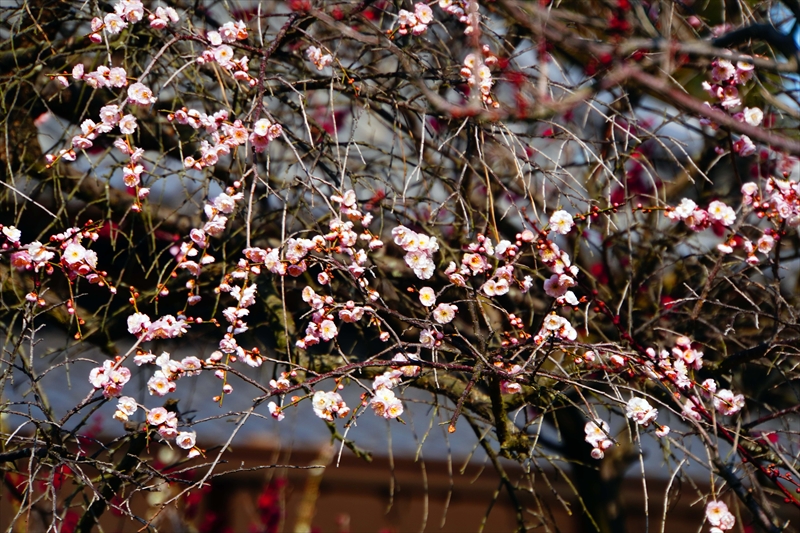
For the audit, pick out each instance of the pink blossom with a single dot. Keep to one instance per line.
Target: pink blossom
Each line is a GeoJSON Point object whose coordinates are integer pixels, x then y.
{"type": "Point", "coordinates": [728, 403]}
{"type": "Point", "coordinates": [140, 94]}
{"type": "Point", "coordinates": [186, 439]}
{"type": "Point", "coordinates": [640, 411]}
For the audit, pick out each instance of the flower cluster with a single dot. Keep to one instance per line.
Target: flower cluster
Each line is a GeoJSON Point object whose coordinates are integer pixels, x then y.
{"type": "Point", "coordinates": [225, 136]}
{"type": "Point", "coordinates": [506, 386]}
{"type": "Point", "coordinates": [141, 95]}
{"type": "Point", "coordinates": [34, 257]}
{"type": "Point", "coordinates": [555, 326]}
{"type": "Point", "coordinates": [328, 405]}
{"type": "Point", "coordinates": [216, 212]}
{"type": "Point", "coordinates": [384, 402]}
{"type": "Point", "coordinates": [727, 403]}
{"type": "Point", "coordinates": [110, 377]}
{"type": "Point", "coordinates": [675, 365]}
{"type": "Point", "coordinates": [264, 132]}
{"type": "Point", "coordinates": [166, 327]}
{"type": "Point", "coordinates": [111, 116]}
{"type": "Point", "coordinates": [340, 240]}
{"type": "Point", "coordinates": [322, 327]}
{"type": "Point", "coordinates": [211, 123]}
{"type": "Point", "coordinates": [720, 518]}
{"type": "Point", "coordinates": [673, 368]}
{"type": "Point", "coordinates": [125, 12]}
{"type": "Point", "coordinates": [162, 16]}
{"type": "Point", "coordinates": [479, 74]}
{"type": "Point", "coordinates": [416, 22]}
{"type": "Point", "coordinates": [558, 261]}
{"type": "Point", "coordinates": [319, 59]}
{"type": "Point", "coordinates": [221, 52]}
{"type": "Point", "coordinates": [162, 382]}
{"type": "Point", "coordinates": [477, 260]}
{"type": "Point", "coordinates": [165, 423]}
{"type": "Point", "coordinates": [640, 411]}
{"type": "Point", "coordinates": [557, 286]}
{"type": "Point", "coordinates": [419, 250]}
{"type": "Point", "coordinates": [726, 77]}
{"type": "Point", "coordinates": [461, 10]}
{"type": "Point", "coordinates": [126, 407]}
{"type": "Point", "coordinates": [75, 261]}
{"type": "Point", "coordinates": [101, 77]}
{"type": "Point", "coordinates": [282, 383]}
{"type": "Point", "coordinates": [597, 436]}
{"type": "Point", "coordinates": [780, 200]}
{"type": "Point", "coordinates": [698, 219]}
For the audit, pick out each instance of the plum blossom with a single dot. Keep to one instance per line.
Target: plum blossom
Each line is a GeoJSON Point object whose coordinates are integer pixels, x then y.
{"type": "Point", "coordinates": [765, 243]}
{"type": "Point", "coordinates": [166, 327]}
{"type": "Point", "coordinates": [113, 24]}
{"type": "Point", "coordinates": [597, 436]}
{"type": "Point", "coordinates": [12, 234]}
{"type": "Point", "coordinates": [163, 16]}
{"type": "Point", "coordinates": [233, 31]}
{"type": "Point", "coordinates": [690, 410]}
{"type": "Point", "coordinates": [427, 296]}
{"type": "Point", "coordinates": [186, 439]}
{"type": "Point", "coordinates": [110, 115]}
{"type": "Point", "coordinates": [319, 59]}
{"type": "Point", "coordinates": [144, 358]}
{"type": "Point", "coordinates": [729, 96]}
{"type": "Point", "coordinates": [140, 94]}
{"type": "Point", "coordinates": [416, 22]}
{"type": "Point", "coordinates": [117, 77]}
{"type": "Point", "coordinates": [728, 403]}
{"type": "Point", "coordinates": [419, 250]}
{"type": "Point", "coordinates": [111, 377]}
{"type": "Point", "coordinates": [427, 338]}
{"type": "Point", "coordinates": [494, 287]}
{"type": "Point", "coordinates": [327, 330]}
{"type": "Point", "coordinates": [73, 253]}
{"type": "Point", "coordinates": [445, 313]}
{"type": "Point", "coordinates": [159, 385]}
{"type": "Point", "coordinates": [685, 209]}
{"type": "Point", "coordinates": [126, 407]}
{"type": "Point", "coordinates": [719, 516]}
{"type": "Point", "coordinates": [127, 124]}
{"type": "Point", "coordinates": [137, 323]}
{"type": "Point", "coordinates": [561, 222]}
{"type": "Point", "coordinates": [640, 411]}
{"type": "Point", "coordinates": [684, 352]}
{"type": "Point", "coordinates": [388, 380]}
{"type": "Point", "coordinates": [722, 213]}
{"type": "Point", "coordinates": [157, 416]}
{"type": "Point", "coordinates": [558, 326]}
{"type": "Point", "coordinates": [407, 370]}
{"type": "Point", "coordinates": [709, 386]}
{"type": "Point", "coordinates": [264, 132]}
{"type": "Point", "coordinates": [723, 70]}
{"type": "Point", "coordinates": [744, 146]}
{"type": "Point", "coordinates": [557, 285]}
{"type": "Point", "coordinates": [329, 404]}
{"type": "Point", "coordinates": [275, 411]}
{"type": "Point", "coordinates": [386, 404]}
{"type": "Point", "coordinates": [753, 116]}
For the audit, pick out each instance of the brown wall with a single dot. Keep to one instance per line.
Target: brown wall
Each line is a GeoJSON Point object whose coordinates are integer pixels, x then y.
{"type": "Point", "coordinates": [374, 497]}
